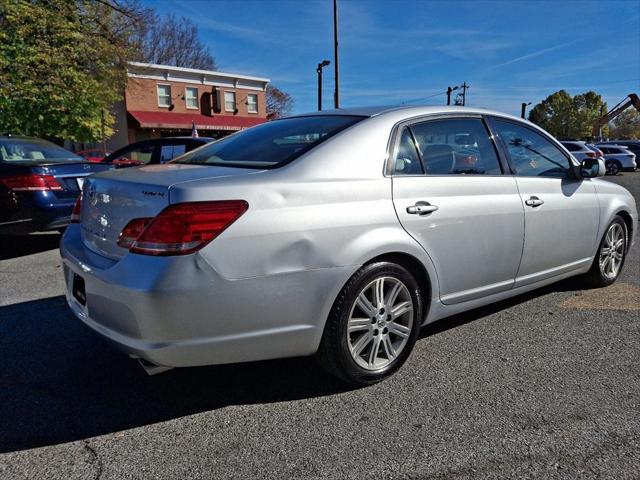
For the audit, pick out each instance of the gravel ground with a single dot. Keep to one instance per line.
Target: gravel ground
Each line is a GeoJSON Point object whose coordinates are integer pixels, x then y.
{"type": "Point", "coordinates": [545, 385]}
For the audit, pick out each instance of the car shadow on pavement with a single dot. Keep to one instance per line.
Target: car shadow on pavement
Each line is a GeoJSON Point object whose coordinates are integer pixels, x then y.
{"type": "Point", "coordinates": [573, 284]}
{"type": "Point", "coordinates": [13, 246]}
{"type": "Point", "coordinates": [60, 382]}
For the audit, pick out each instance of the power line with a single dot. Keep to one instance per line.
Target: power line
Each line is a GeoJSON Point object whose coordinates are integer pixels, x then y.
{"type": "Point", "coordinates": [423, 98]}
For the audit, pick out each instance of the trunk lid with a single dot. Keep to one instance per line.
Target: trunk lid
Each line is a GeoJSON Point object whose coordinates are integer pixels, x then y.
{"type": "Point", "coordinates": [70, 175]}
{"type": "Point", "coordinates": [112, 199]}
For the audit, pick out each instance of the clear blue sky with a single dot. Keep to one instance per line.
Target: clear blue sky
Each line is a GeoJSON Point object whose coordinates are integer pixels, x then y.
{"type": "Point", "coordinates": [403, 51]}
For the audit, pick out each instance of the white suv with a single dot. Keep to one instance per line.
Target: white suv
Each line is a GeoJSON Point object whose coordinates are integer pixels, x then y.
{"type": "Point", "coordinates": [579, 150]}
{"type": "Point", "coordinates": [618, 157]}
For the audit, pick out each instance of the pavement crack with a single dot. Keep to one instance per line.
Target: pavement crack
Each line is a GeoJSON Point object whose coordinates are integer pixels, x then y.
{"type": "Point", "coordinates": [95, 459]}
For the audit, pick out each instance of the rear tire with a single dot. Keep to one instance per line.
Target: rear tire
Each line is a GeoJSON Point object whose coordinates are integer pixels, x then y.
{"type": "Point", "coordinates": [611, 255]}
{"type": "Point", "coordinates": [373, 325]}
{"type": "Point", "coordinates": [613, 167]}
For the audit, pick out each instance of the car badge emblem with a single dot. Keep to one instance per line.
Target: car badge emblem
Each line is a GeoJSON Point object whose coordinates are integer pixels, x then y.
{"type": "Point", "coordinates": [86, 167]}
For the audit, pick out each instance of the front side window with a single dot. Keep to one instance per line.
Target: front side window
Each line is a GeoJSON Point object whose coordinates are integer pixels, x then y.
{"type": "Point", "coordinates": [252, 103]}
{"type": "Point", "coordinates": [270, 144]}
{"type": "Point", "coordinates": [164, 95]}
{"type": "Point", "coordinates": [229, 101]}
{"type": "Point", "coordinates": [191, 97]}
{"type": "Point", "coordinates": [531, 154]}
{"type": "Point", "coordinates": [455, 146]}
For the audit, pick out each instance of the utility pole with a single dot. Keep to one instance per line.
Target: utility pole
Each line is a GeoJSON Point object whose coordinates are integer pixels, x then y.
{"type": "Point", "coordinates": [336, 93]}
{"type": "Point", "coordinates": [449, 90]}
{"type": "Point", "coordinates": [324, 63]}
{"type": "Point", "coordinates": [523, 108]}
{"type": "Point", "coordinates": [104, 144]}
{"type": "Point", "coordinates": [464, 93]}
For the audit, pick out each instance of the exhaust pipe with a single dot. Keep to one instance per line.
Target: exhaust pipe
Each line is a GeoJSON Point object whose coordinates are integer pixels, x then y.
{"type": "Point", "coordinates": [152, 368]}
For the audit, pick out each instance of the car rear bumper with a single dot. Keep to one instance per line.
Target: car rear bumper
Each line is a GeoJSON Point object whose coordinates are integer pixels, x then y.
{"type": "Point", "coordinates": [29, 220]}
{"type": "Point", "coordinates": [177, 311]}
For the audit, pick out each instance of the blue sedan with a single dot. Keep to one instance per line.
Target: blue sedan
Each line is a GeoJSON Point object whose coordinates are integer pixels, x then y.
{"type": "Point", "coordinates": [39, 184]}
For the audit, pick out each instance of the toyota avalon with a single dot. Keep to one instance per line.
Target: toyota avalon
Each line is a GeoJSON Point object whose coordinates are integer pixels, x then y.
{"type": "Point", "coordinates": [336, 234]}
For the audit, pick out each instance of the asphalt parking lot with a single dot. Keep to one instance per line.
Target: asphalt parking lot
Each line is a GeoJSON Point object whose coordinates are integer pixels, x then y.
{"type": "Point", "coordinates": [545, 385]}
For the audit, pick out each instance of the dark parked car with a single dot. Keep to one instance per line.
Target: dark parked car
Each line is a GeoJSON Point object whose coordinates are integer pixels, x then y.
{"type": "Point", "coordinates": [158, 150]}
{"type": "Point", "coordinates": [39, 184]}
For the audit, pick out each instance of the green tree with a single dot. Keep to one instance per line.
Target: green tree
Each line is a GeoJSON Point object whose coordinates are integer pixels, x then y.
{"type": "Point", "coordinates": [62, 66]}
{"type": "Point", "coordinates": [565, 116]}
{"type": "Point", "coordinates": [626, 126]}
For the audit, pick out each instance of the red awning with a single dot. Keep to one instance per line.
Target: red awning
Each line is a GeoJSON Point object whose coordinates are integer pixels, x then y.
{"type": "Point", "coordinates": [171, 120]}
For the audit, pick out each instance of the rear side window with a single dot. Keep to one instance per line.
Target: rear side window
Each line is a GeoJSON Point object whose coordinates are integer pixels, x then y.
{"type": "Point", "coordinates": [531, 154]}
{"type": "Point", "coordinates": [455, 146]}
{"type": "Point", "coordinates": [407, 158]}
{"type": "Point", "coordinates": [271, 144]}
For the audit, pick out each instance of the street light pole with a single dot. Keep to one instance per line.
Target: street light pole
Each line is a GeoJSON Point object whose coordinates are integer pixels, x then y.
{"type": "Point", "coordinates": [524, 108]}
{"type": "Point", "coordinates": [449, 90]}
{"type": "Point", "coordinates": [336, 93]}
{"type": "Point", "coordinates": [324, 63]}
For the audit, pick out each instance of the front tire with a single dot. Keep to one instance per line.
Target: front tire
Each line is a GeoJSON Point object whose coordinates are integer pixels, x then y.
{"type": "Point", "coordinates": [611, 254]}
{"type": "Point", "coordinates": [373, 324]}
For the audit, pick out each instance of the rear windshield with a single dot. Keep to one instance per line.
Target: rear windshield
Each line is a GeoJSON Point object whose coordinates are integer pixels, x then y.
{"type": "Point", "coordinates": [271, 144]}
{"type": "Point", "coordinates": [572, 147]}
{"type": "Point", "coordinates": [23, 150]}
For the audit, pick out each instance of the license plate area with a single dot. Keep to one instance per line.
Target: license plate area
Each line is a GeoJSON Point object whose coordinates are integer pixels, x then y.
{"type": "Point", "coordinates": [77, 288]}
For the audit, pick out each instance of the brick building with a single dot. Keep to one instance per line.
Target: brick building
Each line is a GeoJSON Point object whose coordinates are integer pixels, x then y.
{"type": "Point", "coordinates": [161, 100]}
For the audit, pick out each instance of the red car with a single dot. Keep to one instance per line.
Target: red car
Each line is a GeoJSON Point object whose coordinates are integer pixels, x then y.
{"type": "Point", "coordinates": [93, 156]}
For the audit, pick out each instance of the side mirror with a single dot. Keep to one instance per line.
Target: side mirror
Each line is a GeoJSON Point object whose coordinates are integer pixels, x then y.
{"type": "Point", "coordinates": [592, 167]}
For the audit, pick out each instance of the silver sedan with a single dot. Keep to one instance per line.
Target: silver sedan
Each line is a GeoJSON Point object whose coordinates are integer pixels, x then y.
{"type": "Point", "coordinates": [336, 234]}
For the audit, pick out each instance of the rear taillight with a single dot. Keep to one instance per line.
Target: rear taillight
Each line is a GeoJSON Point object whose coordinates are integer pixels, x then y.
{"type": "Point", "coordinates": [592, 155]}
{"type": "Point", "coordinates": [30, 182]}
{"type": "Point", "coordinates": [181, 228]}
{"type": "Point", "coordinates": [77, 208]}
{"type": "Point", "coordinates": [132, 231]}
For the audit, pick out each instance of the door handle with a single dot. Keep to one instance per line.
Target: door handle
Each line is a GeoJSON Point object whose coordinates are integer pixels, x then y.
{"type": "Point", "coordinates": [421, 208]}
{"type": "Point", "coordinates": [533, 202]}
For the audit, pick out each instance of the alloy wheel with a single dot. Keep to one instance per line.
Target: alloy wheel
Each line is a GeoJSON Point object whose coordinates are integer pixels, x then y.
{"type": "Point", "coordinates": [380, 323]}
{"type": "Point", "coordinates": [612, 168]}
{"type": "Point", "coordinates": [612, 251]}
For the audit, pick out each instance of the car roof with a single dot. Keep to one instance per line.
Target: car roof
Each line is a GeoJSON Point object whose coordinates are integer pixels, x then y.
{"type": "Point", "coordinates": [408, 110]}
{"type": "Point", "coordinates": [609, 145]}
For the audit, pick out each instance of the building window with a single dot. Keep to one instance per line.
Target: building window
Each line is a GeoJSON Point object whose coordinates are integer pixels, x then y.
{"type": "Point", "coordinates": [191, 97]}
{"type": "Point", "coordinates": [230, 101]}
{"type": "Point", "coordinates": [252, 103]}
{"type": "Point", "coordinates": [164, 95]}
